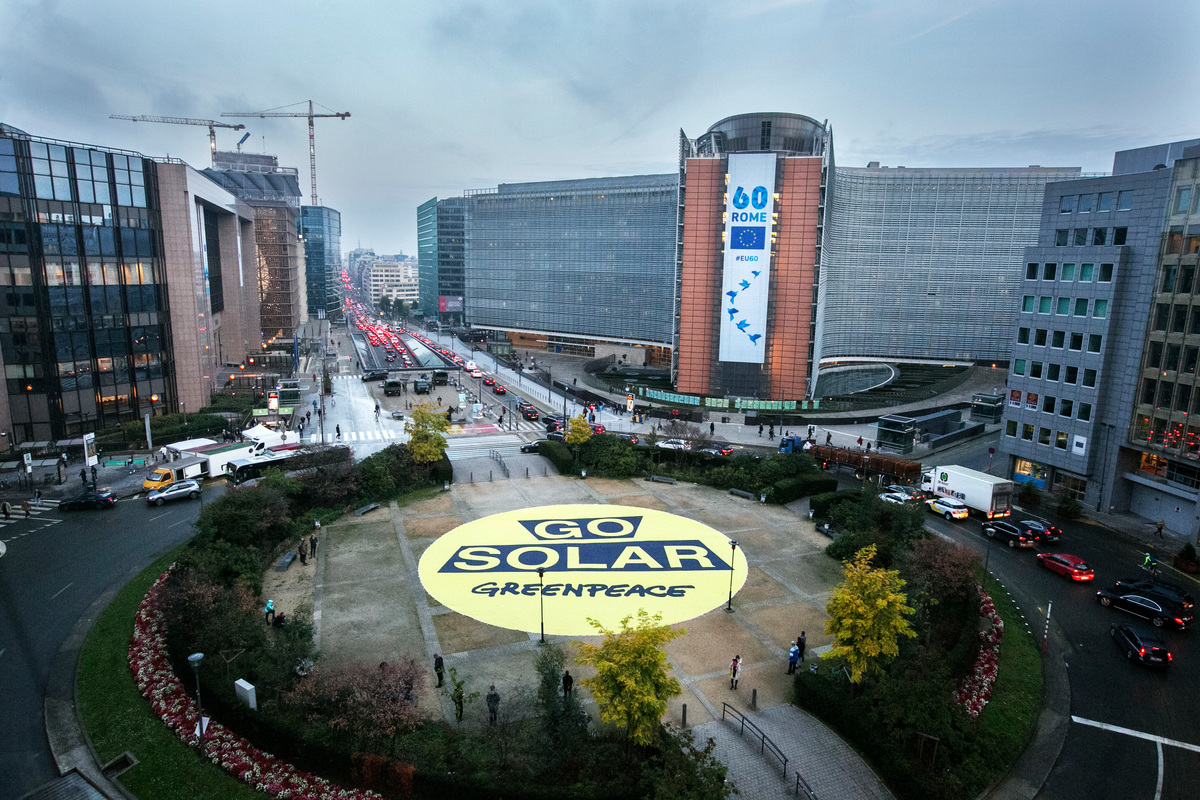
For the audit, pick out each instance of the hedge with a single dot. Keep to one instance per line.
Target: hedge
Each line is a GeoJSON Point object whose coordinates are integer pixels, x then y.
{"type": "Point", "coordinates": [790, 489]}
{"type": "Point", "coordinates": [559, 455]}
{"type": "Point", "coordinates": [822, 503]}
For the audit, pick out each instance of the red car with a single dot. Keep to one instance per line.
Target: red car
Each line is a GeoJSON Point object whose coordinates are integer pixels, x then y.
{"type": "Point", "coordinates": [489, 380]}
{"type": "Point", "coordinates": [498, 389]}
{"type": "Point", "coordinates": [598, 428]}
{"type": "Point", "coordinates": [1067, 565]}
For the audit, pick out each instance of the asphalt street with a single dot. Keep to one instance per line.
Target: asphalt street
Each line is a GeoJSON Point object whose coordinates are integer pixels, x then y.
{"type": "Point", "coordinates": [56, 563]}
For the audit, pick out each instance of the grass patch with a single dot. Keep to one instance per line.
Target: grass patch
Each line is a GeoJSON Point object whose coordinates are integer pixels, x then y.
{"type": "Point", "coordinates": [1010, 716]}
{"type": "Point", "coordinates": [118, 718]}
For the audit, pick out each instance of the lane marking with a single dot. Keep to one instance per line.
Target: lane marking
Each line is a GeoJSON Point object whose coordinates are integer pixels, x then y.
{"type": "Point", "coordinates": [176, 523]}
{"type": "Point", "coordinates": [63, 589]}
{"type": "Point", "coordinates": [1150, 737]}
{"type": "Point", "coordinates": [160, 516]}
{"type": "Point", "coordinates": [1158, 788]}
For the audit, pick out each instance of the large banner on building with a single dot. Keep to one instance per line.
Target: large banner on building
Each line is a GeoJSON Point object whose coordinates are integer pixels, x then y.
{"type": "Point", "coordinates": [746, 277]}
{"type": "Point", "coordinates": [446, 303]}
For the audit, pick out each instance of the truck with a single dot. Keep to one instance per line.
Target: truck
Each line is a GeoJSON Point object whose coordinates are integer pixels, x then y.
{"type": "Point", "coordinates": [178, 470]}
{"type": "Point", "coordinates": [986, 494]}
{"type": "Point", "coordinates": [393, 386]}
{"type": "Point", "coordinates": [864, 465]}
{"type": "Point", "coordinates": [441, 377]}
{"type": "Point", "coordinates": [420, 386]}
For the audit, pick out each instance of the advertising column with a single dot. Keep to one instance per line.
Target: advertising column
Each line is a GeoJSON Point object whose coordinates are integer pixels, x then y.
{"type": "Point", "coordinates": [746, 276]}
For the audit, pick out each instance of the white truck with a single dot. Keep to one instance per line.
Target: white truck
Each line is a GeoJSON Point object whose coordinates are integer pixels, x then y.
{"type": "Point", "coordinates": [990, 496]}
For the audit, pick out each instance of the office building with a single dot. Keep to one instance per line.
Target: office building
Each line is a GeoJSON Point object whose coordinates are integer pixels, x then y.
{"type": "Point", "coordinates": [321, 229]}
{"type": "Point", "coordinates": [440, 259]}
{"type": "Point", "coordinates": [392, 278]}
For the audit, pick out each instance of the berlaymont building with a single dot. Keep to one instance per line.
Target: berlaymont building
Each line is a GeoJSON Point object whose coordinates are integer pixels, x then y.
{"type": "Point", "coordinates": [759, 262]}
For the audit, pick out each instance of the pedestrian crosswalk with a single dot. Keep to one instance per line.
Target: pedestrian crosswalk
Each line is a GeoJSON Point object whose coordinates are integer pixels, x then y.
{"type": "Point", "coordinates": [331, 437]}
{"type": "Point", "coordinates": [474, 447]}
{"type": "Point", "coordinates": [17, 514]}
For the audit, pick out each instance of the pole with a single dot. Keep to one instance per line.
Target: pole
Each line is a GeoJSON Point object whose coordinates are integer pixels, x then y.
{"type": "Point", "coordinates": [987, 559]}
{"type": "Point", "coordinates": [541, 604]}
{"type": "Point", "coordinates": [732, 560]}
{"type": "Point", "coordinates": [1046, 634]}
{"type": "Point", "coordinates": [194, 659]}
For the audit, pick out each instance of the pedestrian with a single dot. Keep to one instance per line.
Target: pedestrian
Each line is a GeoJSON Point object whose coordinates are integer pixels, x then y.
{"type": "Point", "coordinates": [712, 429]}
{"type": "Point", "coordinates": [760, 430]}
{"type": "Point", "coordinates": [493, 704]}
{"type": "Point", "coordinates": [94, 469]}
{"type": "Point", "coordinates": [308, 415]}
{"type": "Point", "coordinates": [83, 476]}
{"type": "Point", "coordinates": [457, 697]}
{"type": "Point", "coordinates": [793, 658]}
{"type": "Point", "coordinates": [37, 498]}
{"type": "Point", "coordinates": [868, 447]}
{"type": "Point", "coordinates": [802, 642]}
{"type": "Point", "coordinates": [568, 684]}
{"type": "Point", "coordinates": [7, 509]}
{"type": "Point", "coordinates": [312, 545]}
{"type": "Point", "coordinates": [269, 612]}
{"type": "Point", "coordinates": [338, 430]}
{"type": "Point", "coordinates": [574, 381]}
{"type": "Point", "coordinates": [828, 438]}
{"type": "Point", "coordinates": [771, 433]}
{"type": "Point", "coordinates": [1158, 527]}
{"type": "Point", "coordinates": [303, 551]}
{"type": "Point", "coordinates": [735, 668]}
{"type": "Point", "coordinates": [860, 441]}
{"type": "Point", "coordinates": [439, 666]}
{"type": "Point", "coordinates": [163, 452]}
{"type": "Point", "coordinates": [810, 431]}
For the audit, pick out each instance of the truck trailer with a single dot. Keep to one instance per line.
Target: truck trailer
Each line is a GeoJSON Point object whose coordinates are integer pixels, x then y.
{"type": "Point", "coordinates": [864, 465]}
{"type": "Point", "coordinates": [986, 494]}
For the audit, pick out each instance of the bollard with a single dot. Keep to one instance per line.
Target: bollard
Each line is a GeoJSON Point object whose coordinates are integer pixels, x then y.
{"type": "Point", "coordinates": [472, 477]}
{"type": "Point", "coordinates": [527, 472]}
{"type": "Point", "coordinates": [490, 478]}
{"type": "Point", "coordinates": [754, 698]}
{"type": "Point", "coordinates": [684, 715]}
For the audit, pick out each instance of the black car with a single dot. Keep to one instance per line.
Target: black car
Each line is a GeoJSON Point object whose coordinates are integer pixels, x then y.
{"type": "Point", "coordinates": [530, 413]}
{"type": "Point", "coordinates": [556, 436]}
{"type": "Point", "coordinates": [1158, 610]}
{"type": "Point", "coordinates": [1009, 534]}
{"type": "Point", "coordinates": [531, 447]}
{"type": "Point", "coordinates": [1140, 645]}
{"type": "Point", "coordinates": [97, 500]}
{"type": "Point", "coordinates": [1165, 589]}
{"type": "Point", "coordinates": [374, 375]}
{"type": "Point", "coordinates": [1043, 529]}
{"type": "Point", "coordinates": [554, 421]}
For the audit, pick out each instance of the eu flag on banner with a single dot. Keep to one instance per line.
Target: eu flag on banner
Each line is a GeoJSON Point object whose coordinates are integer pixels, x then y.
{"type": "Point", "coordinates": [747, 238]}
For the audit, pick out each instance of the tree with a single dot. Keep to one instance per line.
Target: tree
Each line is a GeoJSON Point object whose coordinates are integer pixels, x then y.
{"type": "Point", "coordinates": [633, 680]}
{"type": "Point", "coordinates": [867, 616]}
{"type": "Point", "coordinates": [682, 771]}
{"type": "Point", "coordinates": [425, 428]}
{"type": "Point", "coordinates": [385, 304]}
{"type": "Point", "coordinates": [365, 701]}
{"type": "Point", "coordinates": [562, 723]}
{"type": "Point", "coordinates": [400, 309]}
{"type": "Point", "coordinates": [580, 431]}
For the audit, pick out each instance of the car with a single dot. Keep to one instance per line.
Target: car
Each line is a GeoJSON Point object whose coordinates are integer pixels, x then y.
{"type": "Point", "coordinates": [489, 380]}
{"type": "Point", "coordinates": [1044, 530]}
{"type": "Point", "coordinates": [176, 491]}
{"type": "Point", "coordinates": [553, 419]}
{"type": "Point", "coordinates": [1158, 610]}
{"type": "Point", "coordinates": [1067, 565]}
{"type": "Point", "coordinates": [947, 507]}
{"type": "Point", "coordinates": [628, 437]}
{"type": "Point", "coordinates": [99, 500]}
{"type": "Point", "coordinates": [477, 374]}
{"type": "Point", "coordinates": [911, 492]}
{"type": "Point", "coordinates": [391, 358]}
{"type": "Point", "coordinates": [893, 497]}
{"type": "Point", "coordinates": [1009, 534]}
{"type": "Point", "coordinates": [598, 428]}
{"type": "Point", "coordinates": [523, 404]}
{"type": "Point", "coordinates": [1161, 588]}
{"type": "Point", "coordinates": [530, 413]}
{"type": "Point", "coordinates": [1140, 645]}
{"type": "Point", "coordinates": [674, 444]}
{"type": "Point", "coordinates": [498, 389]}
{"type": "Point", "coordinates": [397, 414]}
{"type": "Point", "coordinates": [374, 375]}
{"type": "Point", "coordinates": [556, 436]}
{"type": "Point", "coordinates": [531, 447]}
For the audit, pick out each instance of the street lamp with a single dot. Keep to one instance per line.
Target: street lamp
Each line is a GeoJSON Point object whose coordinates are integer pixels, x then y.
{"type": "Point", "coordinates": [194, 659]}
{"type": "Point", "coordinates": [987, 559]}
{"type": "Point", "coordinates": [541, 603]}
{"type": "Point", "coordinates": [1107, 427]}
{"type": "Point", "coordinates": [732, 559]}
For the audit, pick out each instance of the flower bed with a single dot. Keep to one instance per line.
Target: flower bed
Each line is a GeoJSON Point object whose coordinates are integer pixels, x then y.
{"type": "Point", "coordinates": [976, 689]}
{"type": "Point", "coordinates": [158, 683]}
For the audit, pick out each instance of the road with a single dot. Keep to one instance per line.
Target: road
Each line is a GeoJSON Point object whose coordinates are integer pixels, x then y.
{"type": "Point", "coordinates": [56, 565]}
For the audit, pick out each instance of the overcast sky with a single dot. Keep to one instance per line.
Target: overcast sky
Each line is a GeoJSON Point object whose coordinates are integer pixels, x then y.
{"type": "Point", "coordinates": [451, 95]}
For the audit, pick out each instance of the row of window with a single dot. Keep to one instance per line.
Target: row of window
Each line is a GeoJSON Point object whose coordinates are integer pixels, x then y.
{"type": "Point", "coordinates": [1179, 244]}
{"type": "Point", "coordinates": [1173, 318]}
{"type": "Point", "coordinates": [1166, 357]}
{"type": "Point", "coordinates": [1169, 396]}
{"type": "Point", "coordinates": [1065, 306]}
{"type": "Point", "coordinates": [1078, 237]}
{"type": "Point", "coordinates": [1086, 203]}
{"type": "Point", "coordinates": [1050, 271]}
{"type": "Point", "coordinates": [1051, 405]}
{"type": "Point", "coordinates": [1039, 370]}
{"type": "Point", "coordinates": [1044, 435]}
{"type": "Point", "coordinates": [1043, 337]}
{"type": "Point", "coordinates": [1183, 200]}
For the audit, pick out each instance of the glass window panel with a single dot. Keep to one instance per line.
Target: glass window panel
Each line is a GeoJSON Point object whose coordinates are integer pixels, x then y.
{"type": "Point", "coordinates": [1044, 305]}
{"type": "Point", "coordinates": [1061, 237]}
{"type": "Point", "coordinates": [1106, 273]}
{"type": "Point", "coordinates": [1047, 404]}
{"type": "Point", "coordinates": [1068, 272]}
{"type": "Point", "coordinates": [102, 193]}
{"type": "Point", "coordinates": [1027, 303]}
{"type": "Point", "coordinates": [1105, 202]}
{"type": "Point", "coordinates": [1100, 309]}
{"type": "Point", "coordinates": [1086, 203]}
{"type": "Point", "coordinates": [1076, 341]}
{"type": "Point", "coordinates": [1044, 435]}
{"type": "Point", "coordinates": [1066, 408]}
{"type": "Point", "coordinates": [1190, 355]}
{"type": "Point", "coordinates": [1031, 272]}
{"type": "Point", "coordinates": [1064, 306]}
{"type": "Point", "coordinates": [1067, 204]}
{"type": "Point", "coordinates": [1071, 375]}
{"type": "Point", "coordinates": [1119, 235]}
{"type": "Point", "coordinates": [1010, 428]}
{"type": "Point", "coordinates": [1085, 272]}
{"type": "Point", "coordinates": [1019, 366]}
{"type": "Point", "coordinates": [1027, 432]}
{"type": "Point", "coordinates": [124, 197]}
{"type": "Point", "coordinates": [1058, 339]}
{"type": "Point", "coordinates": [1035, 370]}
{"type": "Point", "coordinates": [1124, 200]}
{"type": "Point", "coordinates": [1081, 237]}
{"type": "Point", "coordinates": [1179, 319]}
{"type": "Point", "coordinates": [1099, 236]}
{"type": "Point", "coordinates": [1096, 343]}
{"type": "Point", "coordinates": [1187, 274]}
{"type": "Point", "coordinates": [1183, 200]}
{"type": "Point", "coordinates": [1162, 315]}
{"type": "Point", "coordinates": [1022, 335]}
{"type": "Point", "coordinates": [1060, 440]}
{"type": "Point", "coordinates": [1085, 412]}
{"type": "Point", "coordinates": [1081, 307]}
{"type": "Point", "coordinates": [1052, 371]}
{"type": "Point", "coordinates": [1048, 271]}
{"type": "Point", "coordinates": [1039, 337]}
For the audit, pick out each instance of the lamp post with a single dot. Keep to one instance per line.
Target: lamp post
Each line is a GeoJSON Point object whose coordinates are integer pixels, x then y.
{"type": "Point", "coordinates": [1107, 427]}
{"type": "Point", "coordinates": [194, 659]}
{"type": "Point", "coordinates": [987, 559]}
{"type": "Point", "coordinates": [732, 559]}
{"type": "Point", "coordinates": [541, 604]}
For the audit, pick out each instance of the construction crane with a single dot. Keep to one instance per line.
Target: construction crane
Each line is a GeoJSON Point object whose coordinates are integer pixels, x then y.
{"type": "Point", "coordinates": [312, 141]}
{"type": "Point", "coordinates": [211, 123]}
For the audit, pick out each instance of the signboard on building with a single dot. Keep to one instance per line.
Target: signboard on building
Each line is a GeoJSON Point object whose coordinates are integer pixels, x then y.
{"type": "Point", "coordinates": [452, 304]}
{"type": "Point", "coordinates": [746, 277]}
{"type": "Point", "coordinates": [90, 457]}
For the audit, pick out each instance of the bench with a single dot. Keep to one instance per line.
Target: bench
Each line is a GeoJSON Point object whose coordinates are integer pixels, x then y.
{"type": "Point", "coordinates": [742, 493]}
{"type": "Point", "coordinates": [366, 509]}
{"type": "Point", "coordinates": [662, 479]}
{"type": "Point", "coordinates": [285, 561]}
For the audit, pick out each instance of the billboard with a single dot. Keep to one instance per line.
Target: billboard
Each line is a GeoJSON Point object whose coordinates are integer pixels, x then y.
{"type": "Point", "coordinates": [450, 303]}
{"type": "Point", "coordinates": [746, 274]}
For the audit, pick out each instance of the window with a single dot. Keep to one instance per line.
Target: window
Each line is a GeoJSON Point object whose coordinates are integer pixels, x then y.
{"type": "Point", "coordinates": [1171, 361]}
{"type": "Point", "coordinates": [1100, 309]}
{"type": "Point", "coordinates": [1064, 307]}
{"type": "Point", "coordinates": [1039, 337]}
{"type": "Point", "coordinates": [1099, 237]}
{"type": "Point", "coordinates": [1061, 237]}
{"type": "Point", "coordinates": [1043, 436]}
{"type": "Point", "coordinates": [1085, 412]}
{"type": "Point", "coordinates": [1080, 237]}
{"type": "Point", "coordinates": [1066, 204]}
{"type": "Point", "coordinates": [1022, 335]}
{"type": "Point", "coordinates": [1077, 341]}
{"type": "Point", "coordinates": [1081, 307]}
{"type": "Point", "coordinates": [1106, 271]}
{"type": "Point", "coordinates": [1179, 319]}
{"type": "Point", "coordinates": [1044, 304]}
{"type": "Point", "coordinates": [1068, 272]}
{"type": "Point", "coordinates": [1047, 404]}
{"type": "Point", "coordinates": [1027, 432]}
{"type": "Point", "coordinates": [1168, 279]}
{"type": "Point", "coordinates": [1183, 200]}
{"type": "Point", "coordinates": [1149, 391]}
{"type": "Point", "coordinates": [1031, 271]}
{"type": "Point", "coordinates": [1124, 200]}
{"type": "Point", "coordinates": [1164, 394]}
{"type": "Point", "coordinates": [1085, 272]}
{"type": "Point", "coordinates": [1086, 203]}
{"type": "Point", "coordinates": [1066, 408]}
{"type": "Point", "coordinates": [1010, 428]}
{"type": "Point", "coordinates": [1105, 203]}
{"type": "Point", "coordinates": [1187, 276]}
{"type": "Point", "coordinates": [1162, 315]}
{"type": "Point", "coordinates": [1059, 338]}
{"type": "Point", "coordinates": [1048, 272]}
{"type": "Point", "coordinates": [1089, 378]}
{"type": "Point", "coordinates": [1191, 354]}
{"type": "Point", "coordinates": [1175, 240]}
{"type": "Point", "coordinates": [1071, 375]}
{"type": "Point", "coordinates": [1191, 243]}
{"type": "Point", "coordinates": [1035, 369]}
{"type": "Point", "coordinates": [1096, 341]}
{"type": "Point", "coordinates": [1120, 235]}
{"type": "Point", "coordinates": [1196, 320]}
{"type": "Point", "coordinates": [1183, 397]}
{"type": "Point", "coordinates": [1154, 355]}
{"type": "Point", "coordinates": [1019, 366]}
{"type": "Point", "coordinates": [1027, 303]}
{"type": "Point", "coordinates": [1060, 440]}
{"type": "Point", "coordinates": [1052, 372]}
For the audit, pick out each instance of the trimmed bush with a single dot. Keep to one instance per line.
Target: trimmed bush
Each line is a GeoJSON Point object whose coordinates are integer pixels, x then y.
{"type": "Point", "coordinates": [822, 503]}
{"type": "Point", "coordinates": [789, 489]}
{"type": "Point", "coordinates": [559, 455]}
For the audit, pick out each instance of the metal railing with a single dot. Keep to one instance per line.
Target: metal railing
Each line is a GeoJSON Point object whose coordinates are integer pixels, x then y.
{"type": "Point", "coordinates": [765, 744]}
{"type": "Point", "coordinates": [495, 455]}
{"type": "Point", "coordinates": [802, 786]}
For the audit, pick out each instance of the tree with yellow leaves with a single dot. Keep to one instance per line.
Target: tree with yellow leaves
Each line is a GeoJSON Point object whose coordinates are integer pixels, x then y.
{"type": "Point", "coordinates": [426, 442]}
{"type": "Point", "coordinates": [633, 680]}
{"type": "Point", "coordinates": [579, 432]}
{"type": "Point", "coordinates": [867, 616]}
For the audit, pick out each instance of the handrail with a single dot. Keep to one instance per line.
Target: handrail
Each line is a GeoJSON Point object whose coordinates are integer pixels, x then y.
{"type": "Point", "coordinates": [495, 454]}
{"type": "Point", "coordinates": [765, 741]}
{"type": "Point", "coordinates": [802, 785]}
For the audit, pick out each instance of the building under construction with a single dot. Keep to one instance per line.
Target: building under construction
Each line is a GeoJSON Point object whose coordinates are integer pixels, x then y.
{"type": "Point", "coordinates": [274, 193]}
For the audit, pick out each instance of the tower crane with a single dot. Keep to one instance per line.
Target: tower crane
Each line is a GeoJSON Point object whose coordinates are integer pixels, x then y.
{"type": "Point", "coordinates": [312, 145]}
{"type": "Point", "coordinates": [211, 123]}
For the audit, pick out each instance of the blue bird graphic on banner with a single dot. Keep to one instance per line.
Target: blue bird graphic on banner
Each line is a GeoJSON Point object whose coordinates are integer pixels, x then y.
{"type": "Point", "coordinates": [741, 326]}
{"type": "Point", "coordinates": [755, 273]}
{"type": "Point", "coordinates": [731, 295]}
{"type": "Point", "coordinates": [744, 284]}
{"type": "Point", "coordinates": [731, 311]}
{"type": "Point", "coordinates": [754, 337]}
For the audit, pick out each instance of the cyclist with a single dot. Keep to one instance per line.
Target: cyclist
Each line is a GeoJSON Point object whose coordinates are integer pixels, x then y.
{"type": "Point", "coordinates": [1150, 564]}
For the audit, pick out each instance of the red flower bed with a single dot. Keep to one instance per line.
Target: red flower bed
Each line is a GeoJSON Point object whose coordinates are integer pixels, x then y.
{"type": "Point", "coordinates": [976, 689]}
{"type": "Point", "coordinates": [158, 683]}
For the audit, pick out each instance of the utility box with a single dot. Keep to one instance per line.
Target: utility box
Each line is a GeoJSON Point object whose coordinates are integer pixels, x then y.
{"type": "Point", "coordinates": [246, 693]}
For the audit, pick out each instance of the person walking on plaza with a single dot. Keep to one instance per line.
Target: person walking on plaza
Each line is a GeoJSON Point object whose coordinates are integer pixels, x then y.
{"type": "Point", "coordinates": [83, 476]}
{"type": "Point", "coordinates": [1158, 527]}
{"type": "Point", "coordinates": [25, 508]}
{"type": "Point", "coordinates": [793, 658]}
{"type": "Point", "coordinates": [269, 612]}
{"type": "Point", "coordinates": [37, 498]}
{"type": "Point", "coordinates": [312, 545]}
{"type": "Point", "coordinates": [7, 511]}
{"type": "Point", "coordinates": [94, 470]}
{"type": "Point", "coordinates": [338, 430]}
{"type": "Point", "coordinates": [439, 666]}
{"type": "Point", "coordinates": [760, 430]}
{"type": "Point", "coordinates": [771, 433]}
{"type": "Point", "coordinates": [735, 668]}
{"type": "Point", "coordinates": [802, 642]}
{"type": "Point", "coordinates": [493, 704]}
{"type": "Point", "coordinates": [568, 684]}
{"type": "Point", "coordinates": [712, 429]}
{"type": "Point", "coordinates": [303, 551]}
{"type": "Point", "coordinates": [860, 441]}
{"type": "Point", "coordinates": [828, 438]}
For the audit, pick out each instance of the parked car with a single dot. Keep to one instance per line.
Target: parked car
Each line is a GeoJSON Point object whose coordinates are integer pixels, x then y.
{"type": "Point", "coordinates": [1140, 645]}
{"type": "Point", "coordinates": [1067, 565]}
{"type": "Point", "coordinates": [176, 491]}
{"type": "Point", "coordinates": [674, 444]}
{"type": "Point", "coordinates": [397, 414]}
{"type": "Point", "coordinates": [1044, 530]}
{"type": "Point", "coordinates": [1010, 534]}
{"type": "Point", "coordinates": [374, 375]}
{"type": "Point", "coordinates": [531, 447]}
{"type": "Point", "coordinates": [1160, 588]}
{"type": "Point", "coordinates": [1158, 610]}
{"type": "Point", "coordinates": [911, 492]}
{"type": "Point", "coordinates": [946, 507]}
{"type": "Point", "coordinates": [95, 500]}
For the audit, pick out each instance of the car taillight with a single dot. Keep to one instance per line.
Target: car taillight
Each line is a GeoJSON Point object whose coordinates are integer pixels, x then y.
{"type": "Point", "coordinates": [1141, 652]}
{"type": "Point", "coordinates": [1169, 657]}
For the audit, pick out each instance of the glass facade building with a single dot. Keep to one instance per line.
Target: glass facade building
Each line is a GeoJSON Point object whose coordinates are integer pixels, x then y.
{"type": "Point", "coordinates": [84, 326]}
{"type": "Point", "coordinates": [440, 259]}
{"type": "Point", "coordinates": [321, 228]}
{"type": "Point", "coordinates": [583, 260]}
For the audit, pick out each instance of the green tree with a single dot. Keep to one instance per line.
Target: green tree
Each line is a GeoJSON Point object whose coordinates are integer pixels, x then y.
{"type": "Point", "coordinates": [633, 680]}
{"type": "Point", "coordinates": [867, 616]}
{"type": "Point", "coordinates": [562, 722]}
{"type": "Point", "coordinates": [385, 304]}
{"type": "Point", "coordinates": [682, 771]}
{"type": "Point", "coordinates": [579, 431]}
{"type": "Point", "coordinates": [425, 428]}
{"type": "Point", "coordinates": [400, 309]}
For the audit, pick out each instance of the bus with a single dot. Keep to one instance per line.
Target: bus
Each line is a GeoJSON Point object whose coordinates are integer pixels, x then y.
{"type": "Point", "coordinates": [241, 470]}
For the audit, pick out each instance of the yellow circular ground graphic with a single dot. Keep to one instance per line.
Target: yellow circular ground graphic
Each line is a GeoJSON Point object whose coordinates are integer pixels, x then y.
{"type": "Point", "coordinates": [603, 562]}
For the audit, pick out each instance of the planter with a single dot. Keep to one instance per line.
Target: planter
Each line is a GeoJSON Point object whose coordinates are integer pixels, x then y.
{"type": "Point", "coordinates": [1183, 565]}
